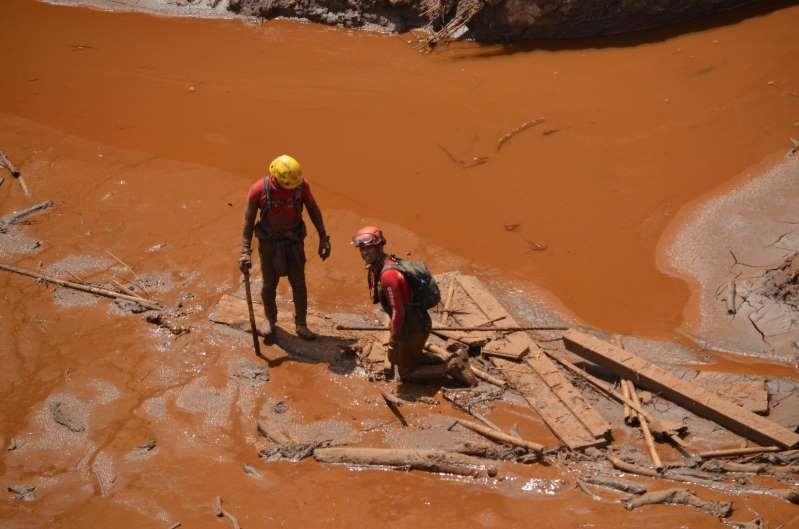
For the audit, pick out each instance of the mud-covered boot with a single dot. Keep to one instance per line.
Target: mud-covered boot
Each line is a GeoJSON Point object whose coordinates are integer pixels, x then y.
{"type": "Point", "coordinates": [269, 328]}
{"type": "Point", "coordinates": [305, 333]}
{"type": "Point", "coordinates": [459, 370]}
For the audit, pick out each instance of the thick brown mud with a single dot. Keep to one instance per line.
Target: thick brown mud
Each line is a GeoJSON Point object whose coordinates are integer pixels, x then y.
{"type": "Point", "coordinates": [146, 133]}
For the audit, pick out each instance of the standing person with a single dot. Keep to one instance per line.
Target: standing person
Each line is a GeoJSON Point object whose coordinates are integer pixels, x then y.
{"type": "Point", "coordinates": [403, 290]}
{"type": "Point", "coordinates": [280, 198]}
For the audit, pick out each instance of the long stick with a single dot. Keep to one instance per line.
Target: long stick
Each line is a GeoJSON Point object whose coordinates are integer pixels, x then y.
{"type": "Point", "coordinates": [255, 343]}
{"type": "Point", "coordinates": [85, 288]}
{"type": "Point", "coordinates": [500, 436]}
{"type": "Point", "coordinates": [650, 442]}
{"type": "Point", "coordinates": [509, 328]}
{"type": "Point", "coordinates": [447, 303]}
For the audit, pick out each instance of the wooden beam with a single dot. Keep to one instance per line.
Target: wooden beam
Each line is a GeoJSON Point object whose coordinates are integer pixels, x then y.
{"type": "Point", "coordinates": [545, 388]}
{"type": "Point", "coordinates": [690, 396]}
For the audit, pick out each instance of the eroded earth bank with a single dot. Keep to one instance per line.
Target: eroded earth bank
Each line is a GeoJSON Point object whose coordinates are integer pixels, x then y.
{"type": "Point", "coordinates": [564, 179]}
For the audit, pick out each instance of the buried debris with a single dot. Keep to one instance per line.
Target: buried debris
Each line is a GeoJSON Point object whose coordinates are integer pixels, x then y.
{"type": "Point", "coordinates": [393, 402]}
{"type": "Point", "coordinates": [23, 492]}
{"type": "Point", "coordinates": [429, 460]}
{"type": "Point", "coordinates": [719, 509]}
{"type": "Point", "coordinates": [5, 162]}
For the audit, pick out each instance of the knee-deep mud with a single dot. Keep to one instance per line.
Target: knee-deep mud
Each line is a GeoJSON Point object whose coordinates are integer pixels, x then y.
{"type": "Point", "coordinates": [146, 132]}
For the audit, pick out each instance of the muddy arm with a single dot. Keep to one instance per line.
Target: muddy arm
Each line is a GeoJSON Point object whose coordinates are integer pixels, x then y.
{"type": "Point", "coordinates": [249, 226]}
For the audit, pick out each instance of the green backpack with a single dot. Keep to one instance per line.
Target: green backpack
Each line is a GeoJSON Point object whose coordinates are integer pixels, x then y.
{"type": "Point", "coordinates": [424, 289]}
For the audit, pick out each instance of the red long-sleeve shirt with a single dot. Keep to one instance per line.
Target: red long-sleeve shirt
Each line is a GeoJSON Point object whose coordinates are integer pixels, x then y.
{"type": "Point", "coordinates": [396, 292]}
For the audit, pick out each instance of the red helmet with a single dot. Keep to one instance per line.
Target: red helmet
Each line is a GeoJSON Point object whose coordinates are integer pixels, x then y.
{"type": "Point", "coordinates": [368, 236]}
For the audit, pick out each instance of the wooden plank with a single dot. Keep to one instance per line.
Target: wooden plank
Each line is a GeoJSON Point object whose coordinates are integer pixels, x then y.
{"type": "Point", "coordinates": [688, 395]}
{"type": "Point", "coordinates": [545, 388]}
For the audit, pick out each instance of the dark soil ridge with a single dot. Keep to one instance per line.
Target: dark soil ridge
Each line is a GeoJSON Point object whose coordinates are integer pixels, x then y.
{"type": "Point", "coordinates": [492, 20]}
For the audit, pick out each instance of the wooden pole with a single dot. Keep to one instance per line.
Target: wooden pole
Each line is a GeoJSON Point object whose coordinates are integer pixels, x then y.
{"type": "Point", "coordinates": [500, 437]}
{"type": "Point", "coordinates": [738, 451]}
{"type": "Point", "coordinates": [650, 441]}
{"type": "Point", "coordinates": [18, 216]}
{"type": "Point", "coordinates": [84, 288]}
{"type": "Point", "coordinates": [253, 328]}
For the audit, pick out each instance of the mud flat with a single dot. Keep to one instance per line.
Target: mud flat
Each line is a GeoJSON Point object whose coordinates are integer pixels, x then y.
{"type": "Point", "coordinates": [733, 247]}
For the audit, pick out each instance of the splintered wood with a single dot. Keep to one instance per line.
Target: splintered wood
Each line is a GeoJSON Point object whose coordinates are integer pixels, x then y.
{"type": "Point", "coordinates": [539, 381]}
{"type": "Point", "coordinates": [690, 396]}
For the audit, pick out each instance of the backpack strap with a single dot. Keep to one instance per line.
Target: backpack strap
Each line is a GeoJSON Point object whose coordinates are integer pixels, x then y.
{"type": "Point", "coordinates": [295, 201]}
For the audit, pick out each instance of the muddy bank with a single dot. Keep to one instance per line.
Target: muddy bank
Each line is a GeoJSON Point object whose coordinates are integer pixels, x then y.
{"type": "Point", "coordinates": [482, 20]}
{"type": "Point", "coordinates": [739, 248]}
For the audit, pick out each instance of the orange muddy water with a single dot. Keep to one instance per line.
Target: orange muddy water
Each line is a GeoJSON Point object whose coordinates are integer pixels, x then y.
{"type": "Point", "coordinates": [146, 132]}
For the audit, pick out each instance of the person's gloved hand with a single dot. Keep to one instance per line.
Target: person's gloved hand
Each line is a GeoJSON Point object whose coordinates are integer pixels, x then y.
{"type": "Point", "coordinates": [324, 247]}
{"type": "Point", "coordinates": [245, 263]}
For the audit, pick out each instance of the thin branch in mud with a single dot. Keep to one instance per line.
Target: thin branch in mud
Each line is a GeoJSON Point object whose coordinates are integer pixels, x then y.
{"type": "Point", "coordinates": [220, 512]}
{"type": "Point", "coordinates": [139, 282]}
{"type": "Point", "coordinates": [760, 332]}
{"type": "Point", "coordinates": [175, 525]}
{"type": "Point", "coordinates": [616, 484]}
{"type": "Point", "coordinates": [475, 161]}
{"type": "Point", "coordinates": [521, 128]}
{"type": "Point", "coordinates": [2, 180]}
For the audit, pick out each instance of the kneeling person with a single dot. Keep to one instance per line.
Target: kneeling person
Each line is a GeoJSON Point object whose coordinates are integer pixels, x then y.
{"type": "Point", "coordinates": [390, 285]}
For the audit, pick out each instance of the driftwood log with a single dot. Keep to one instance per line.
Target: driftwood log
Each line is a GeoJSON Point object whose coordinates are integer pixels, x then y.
{"type": "Point", "coordinates": [719, 509]}
{"type": "Point", "coordinates": [631, 468]}
{"type": "Point", "coordinates": [427, 460]}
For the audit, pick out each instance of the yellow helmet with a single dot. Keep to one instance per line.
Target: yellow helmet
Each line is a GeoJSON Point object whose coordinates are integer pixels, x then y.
{"type": "Point", "coordinates": [287, 171]}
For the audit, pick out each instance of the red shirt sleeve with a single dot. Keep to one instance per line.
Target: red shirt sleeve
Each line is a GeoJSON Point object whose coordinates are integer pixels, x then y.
{"type": "Point", "coordinates": [398, 293]}
{"type": "Point", "coordinates": [257, 193]}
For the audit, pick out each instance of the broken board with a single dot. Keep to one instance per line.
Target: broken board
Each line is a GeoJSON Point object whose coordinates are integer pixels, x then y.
{"type": "Point", "coordinates": [542, 384]}
{"type": "Point", "coordinates": [690, 396]}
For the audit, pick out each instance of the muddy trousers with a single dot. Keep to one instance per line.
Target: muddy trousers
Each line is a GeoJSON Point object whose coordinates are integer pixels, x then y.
{"type": "Point", "coordinates": [293, 266]}
{"type": "Point", "coordinates": [412, 364]}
